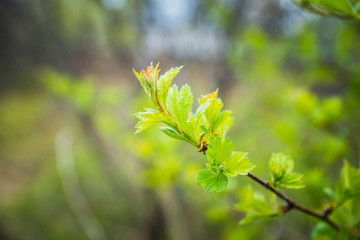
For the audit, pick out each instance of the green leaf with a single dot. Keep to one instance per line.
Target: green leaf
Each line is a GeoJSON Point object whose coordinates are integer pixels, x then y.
{"type": "Point", "coordinates": [281, 175]}
{"type": "Point", "coordinates": [212, 181]}
{"type": "Point", "coordinates": [184, 102]}
{"type": "Point", "coordinates": [238, 163]}
{"type": "Point", "coordinates": [291, 181]}
{"type": "Point", "coordinates": [218, 150]}
{"type": "Point", "coordinates": [339, 6]}
{"type": "Point", "coordinates": [172, 133]}
{"type": "Point", "coordinates": [164, 83]}
{"type": "Point", "coordinates": [280, 164]}
{"type": "Point", "coordinates": [179, 103]}
{"type": "Point", "coordinates": [145, 84]}
{"type": "Point", "coordinates": [349, 185]}
{"type": "Point", "coordinates": [201, 109]}
{"type": "Point", "coordinates": [200, 112]}
{"type": "Point", "coordinates": [209, 96]}
{"type": "Point", "coordinates": [323, 230]}
{"type": "Point", "coordinates": [212, 112]}
{"type": "Point", "coordinates": [172, 100]}
{"type": "Point", "coordinates": [223, 116]}
{"type": "Point", "coordinates": [149, 118]}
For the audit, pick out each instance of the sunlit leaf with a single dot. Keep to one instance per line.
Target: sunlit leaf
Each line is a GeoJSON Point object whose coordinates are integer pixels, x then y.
{"type": "Point", "coordinates": [212, 181]}
{"type": "Point", "coordinates": [164, 83]}
{"type": "Point", "coordinates": [238, 163]}
{"type": "Point", "coordinates": [281, 175]}
{"type": "Point", "coordinates": [219, 150]}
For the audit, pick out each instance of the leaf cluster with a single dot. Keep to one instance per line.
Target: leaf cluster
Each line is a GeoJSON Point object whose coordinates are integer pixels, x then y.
{"type": "Point", "coordinates": [206, 129]}
{"type": "Point", "coordinates": [281, 172]}
{"type": "Point", "coordinates": [173, 108]}
{"type": "Point", "coordinates": [222, 163]}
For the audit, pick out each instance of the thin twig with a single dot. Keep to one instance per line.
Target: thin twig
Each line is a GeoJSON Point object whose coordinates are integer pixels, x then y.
{"type": "Point", "coordinates": [293, 205]}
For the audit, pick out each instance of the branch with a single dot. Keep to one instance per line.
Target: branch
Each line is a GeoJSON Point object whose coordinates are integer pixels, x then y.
{"type": "Point", "coordinates": [293, 205]}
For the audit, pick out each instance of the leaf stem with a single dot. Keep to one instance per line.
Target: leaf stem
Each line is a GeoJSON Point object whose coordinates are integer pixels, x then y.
{"type": "Point", "coordinates": [293, 205]}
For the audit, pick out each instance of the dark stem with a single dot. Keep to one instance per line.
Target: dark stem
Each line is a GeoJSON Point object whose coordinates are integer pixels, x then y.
{"type": "Point", "coordinates": [293, 205]}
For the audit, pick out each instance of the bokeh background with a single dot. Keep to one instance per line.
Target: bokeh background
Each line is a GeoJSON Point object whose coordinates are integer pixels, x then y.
{"type": "Point", "coordinates": [71, 166]}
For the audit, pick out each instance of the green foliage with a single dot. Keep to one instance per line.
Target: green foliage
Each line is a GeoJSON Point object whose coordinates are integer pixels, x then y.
{"type": "Point", "coordinates": [349, 184]}
{"type": "Point", "coordinates": [223, 162]}
{"type": "Point", "coordinates": [323, 231]}
{"type": "Point", "coordinates": [256, 206]}
{"type": "Point", "coordinates": [206, 129]}
{"type": "Point", "coordinates": [173, 109]}
{"type": "Point", "coordinates": [216, 122]}
{"type": "Point", "coordinates": [340, 8]}
{"type": "Point", "coordinates": [212, 181]}
{"type": "Point", "coordinates": [281, 175]}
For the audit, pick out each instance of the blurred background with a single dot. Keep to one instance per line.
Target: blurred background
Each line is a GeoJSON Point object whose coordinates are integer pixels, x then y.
{"type": "Point", "coordinates": [71, 166]}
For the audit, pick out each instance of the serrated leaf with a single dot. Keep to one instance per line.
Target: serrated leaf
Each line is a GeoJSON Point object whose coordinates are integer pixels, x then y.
{"type": "Point", "coordinates": [238, 163]}
{"type": "Point", "coordinates": [184, 102]}
{"type": "Point", "coordinates": [219, 150]}
{"type": "Point", "coordinates": [212, 181]}
{"type": "Point", "coordinates": [225, 127]}
{"type": "Point", "coordinates": [172, 100]}
{"type": "Point", "coordinates": [281, 175]}
{"type": "Point", "coordinates": [280, 164]}
{"type": "Point", "coordinates": [212, 112]}
{"type": "Point", "coordinates": [149, 118]}
{"type": "Point", "coordinates": [291, 181]}
{"type": "Point", "coordinates": [223, 116]}
{"type": "Point", "coordinates": [164, 83]}
{"type": "Point", "coordinates": [349, 185]}
{"type": "Point", "coordinates": [143, 82]}
{"type": "Point", "coordinates": [200, 112]}
{"type": "Point", "coordinates": [209, 96]}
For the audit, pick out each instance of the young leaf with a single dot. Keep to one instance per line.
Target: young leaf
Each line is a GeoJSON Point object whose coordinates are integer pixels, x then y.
{"type": "Point", "coordinates": [212, 113]}
{"type": "Point", "coordinates": [164, 83]}
{"type": "Point", "coordinates": [212, 181]}
{"type": "Point", "coordinates": [238, 163]}
{"type": "Point", "coordinates": [291, 181]}
{"type": "Point", "coordinates": [199, 113]}
{"type": "Point", "coordinates": [148, 79]}
{"type": "Point", "coordinates": [172, 100]}
{"type": "Point", "coordinates": [349, 185]}
{"type": "Point", "coordinates": [143, 82]}
{"type": "Point", "coordinates": [219, 151]}
{"type": "Point", "coordinates": [149, 118]}
{"type": "Point", "coordinates": [223, 116]}
{"type": "Point", "coordinates": [209, 96]}
{"type": "Point", "coordinates": [172, 133]}
{"type": "Point", "coordinates": [281, 175]}
{"type": "Point", "coordinates": [184, 102]}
